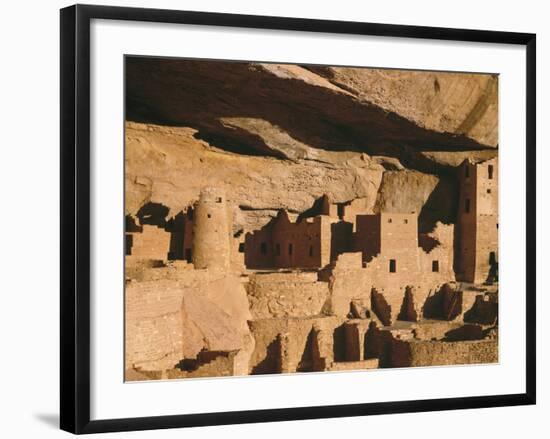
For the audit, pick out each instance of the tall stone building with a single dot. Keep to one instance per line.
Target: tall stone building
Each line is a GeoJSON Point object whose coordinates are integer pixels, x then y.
{"type": "Point", "coordinates": [477, 222]}
{"type": "Point", "coordinates": [211, 230]}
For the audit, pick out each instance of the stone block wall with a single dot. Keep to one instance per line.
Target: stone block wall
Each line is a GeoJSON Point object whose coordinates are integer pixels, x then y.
{"type": "Point", "coordinates": [284, 244]}
{"type": "Point", "coordinates": [152, 243]}
{"type": "Point", "coordinates": [286, 345]}
{"type": "Point", "coordinates": [413, 353]}
{"type": "Point", "coordinates": [277, 295]}
{"type": "Point", "coordinates": [171, 319]}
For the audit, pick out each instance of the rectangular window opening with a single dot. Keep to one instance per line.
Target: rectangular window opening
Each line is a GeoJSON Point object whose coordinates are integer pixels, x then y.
{"type": "Point", "coordinates": [435, 266]}
{"type": "Point", "coordinates": [490, 170]}
{"type": "Point", "coordinates": [393, 266]}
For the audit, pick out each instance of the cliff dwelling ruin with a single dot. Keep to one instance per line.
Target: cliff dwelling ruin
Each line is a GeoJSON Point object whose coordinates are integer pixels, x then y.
{"type": "Point", "coordinates": [263, 238]}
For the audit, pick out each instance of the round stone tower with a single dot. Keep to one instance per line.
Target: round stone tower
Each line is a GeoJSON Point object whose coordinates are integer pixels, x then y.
{"type": "Point", "coordinates": [211, 230]}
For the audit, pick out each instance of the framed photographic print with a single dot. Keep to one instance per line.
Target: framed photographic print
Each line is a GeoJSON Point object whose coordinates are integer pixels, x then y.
{"type": "Point", "coordinates": [285, 218]}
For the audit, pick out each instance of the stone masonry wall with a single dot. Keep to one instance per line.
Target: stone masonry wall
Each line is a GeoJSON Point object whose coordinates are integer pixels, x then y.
{"type": "Point", "coordinates": [167, 320]}
{"type": "Point", "coordinates": [413, 353]}
{"type": "Point", "coordinates": [277, 295]}
{"type": "Point", "coordinates": [288, 343]}
{"type": "Point", "coordinates": [152, 243]}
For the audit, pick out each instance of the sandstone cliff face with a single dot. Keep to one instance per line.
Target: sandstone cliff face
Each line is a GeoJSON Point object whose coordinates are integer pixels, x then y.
{"type": "Point", "coordinates": [445, 102]}
{"type": "Point", "coordinates": [273, 137]}
{"type": "Point", "coordinates": [169, 166]}
{"type": "Point", "coordinates": [280, 136]}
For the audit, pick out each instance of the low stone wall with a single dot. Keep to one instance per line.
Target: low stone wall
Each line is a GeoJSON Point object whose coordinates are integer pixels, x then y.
{"type": "Point", "coordinates": [354, 365]}
{"type": "Point", "coordinates": [413, 353]}
{"type": "Point", "coordinates": [430, 330]}
{"type": "Point", "coordinates": [280, 295]}
{"type": "Point", "coordinates": [208, 364]}
{"type": "Point", "coordinates": [152, 243]}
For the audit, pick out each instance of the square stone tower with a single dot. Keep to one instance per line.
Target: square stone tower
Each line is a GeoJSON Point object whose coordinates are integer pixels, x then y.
{"type": "Point", "coordinates": [387, 233]}
{"type": "Point", "coordinates": [477, 222]}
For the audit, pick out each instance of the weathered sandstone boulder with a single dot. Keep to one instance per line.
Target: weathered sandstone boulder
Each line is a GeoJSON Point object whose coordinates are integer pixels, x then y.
{"type": "Point", "coordinates": [168, 320]}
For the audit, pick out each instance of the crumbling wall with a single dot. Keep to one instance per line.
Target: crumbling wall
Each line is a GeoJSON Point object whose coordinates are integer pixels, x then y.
{"type": "Point", "coordinates": [438, 261]}
{"type": "Point", "coordinates": [358, 206]}
{"type": "Point", "coordinates": [284, 244]}
{"type": "Point", "coordinates": [355, 336]}
{"type": "Point", "coordinates": [391, 264]}
{"type": "Point", "coordinates": [412, 353]}
{"type": "Point", "coordinates": [277, 295]}
{"type": "Point", "coordinates": [347, 282]}
{"type": "Point", "coordinates": [152, 243]}
{"type": "Point", "coordinates": [170, 319]}
{"type": "Point", "coordinates": [287, 344]}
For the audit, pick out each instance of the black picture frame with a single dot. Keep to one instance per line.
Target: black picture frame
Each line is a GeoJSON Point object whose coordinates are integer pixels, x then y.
{"type": "Point", "coordinates": [75, 217]}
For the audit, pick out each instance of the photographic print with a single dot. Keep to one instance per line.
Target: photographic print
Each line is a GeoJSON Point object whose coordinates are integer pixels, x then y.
{"type": "Point", "coordinates": [284, 218]}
